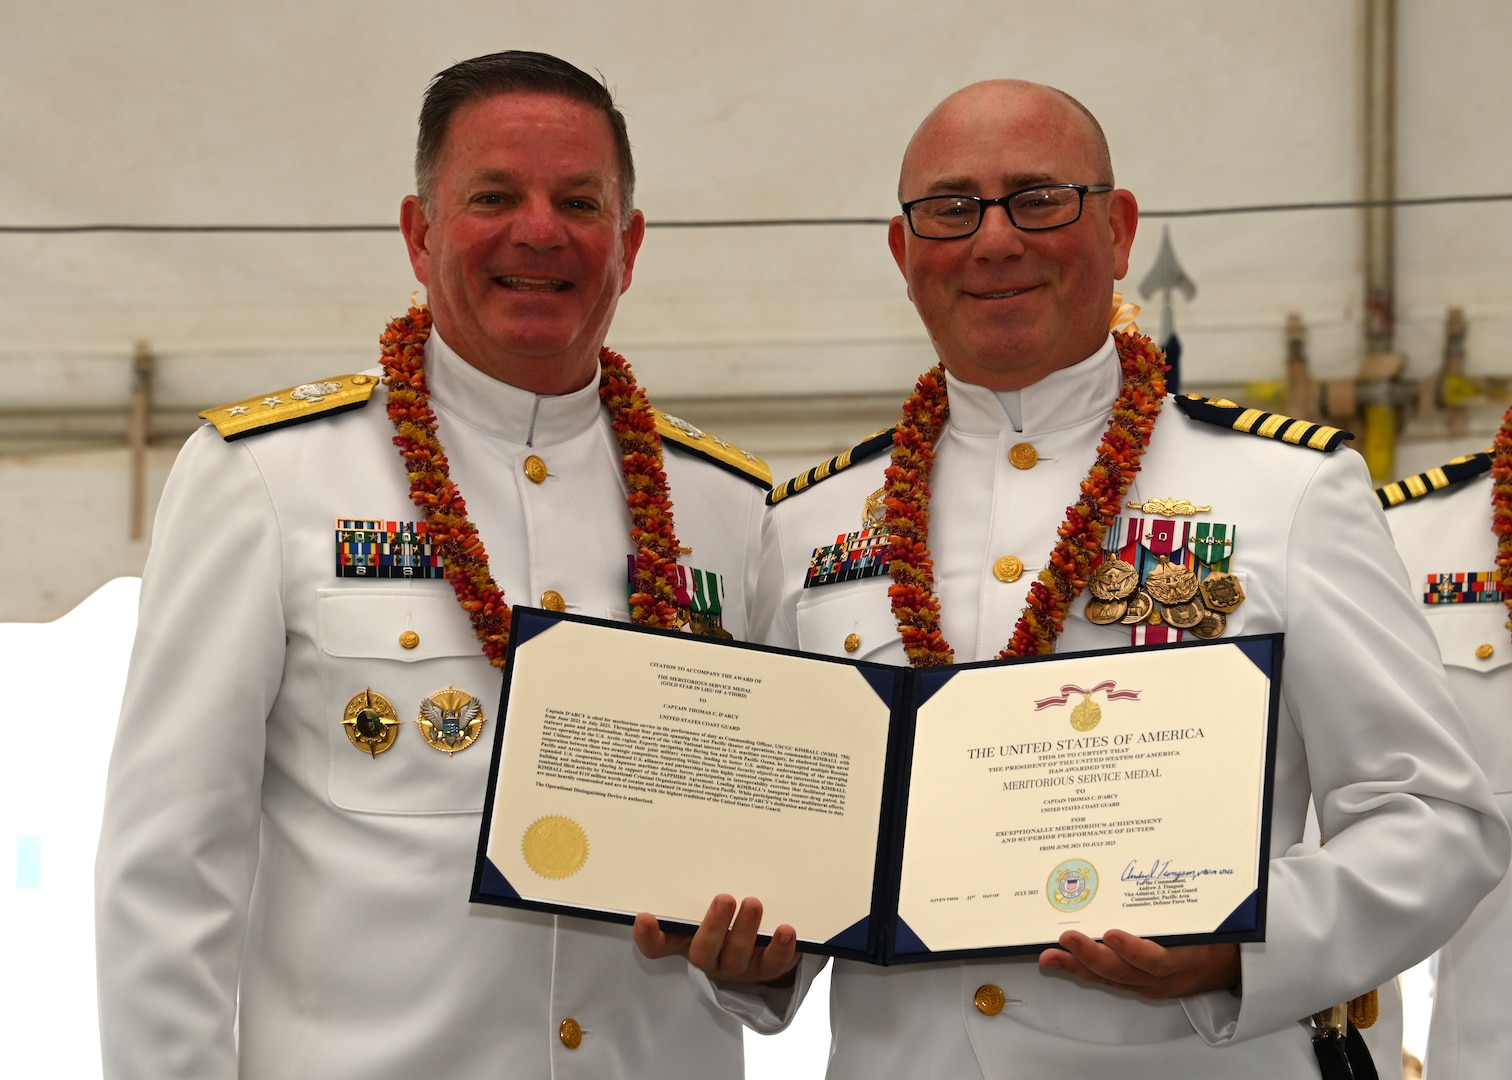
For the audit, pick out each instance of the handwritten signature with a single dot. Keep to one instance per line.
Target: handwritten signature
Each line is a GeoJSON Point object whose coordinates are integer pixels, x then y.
{"type": "Point", "coordinates": [1161, 870]}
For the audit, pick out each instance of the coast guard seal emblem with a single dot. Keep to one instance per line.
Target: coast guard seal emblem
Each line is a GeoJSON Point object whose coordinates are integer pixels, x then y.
{"type": "Point", "coordinates": [1072, 885]}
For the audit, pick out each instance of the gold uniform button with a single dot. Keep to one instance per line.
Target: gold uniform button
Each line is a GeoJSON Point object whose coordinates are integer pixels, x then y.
{"type": "Point", "coordinates": [1023, 456]}
{"type": "Point", "coordinates": [852, 642]}
{"type": "Point", "coordinates": [571, 1033]}
{"type": "Point", "coordinates": [535, 469]}
{"type": "Point", "coordinates": [989, 1000]}
{"type": "Point", "coordinates": [1008, 569]}
{"type": "Point", "coordinates": [1484, 652]}
{"type": "Point", "coordinates": [409, 639]}
{"type": "Point", "coordinates": [361, 380]}
{"type": "Point", "coordinates": [552, 600]}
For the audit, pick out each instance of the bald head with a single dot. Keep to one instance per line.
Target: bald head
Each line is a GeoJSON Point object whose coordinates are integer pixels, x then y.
{"type": "Point", "coordinates": [1077, 121]}
{"type": "Point", "coordinates": [1007, 305]}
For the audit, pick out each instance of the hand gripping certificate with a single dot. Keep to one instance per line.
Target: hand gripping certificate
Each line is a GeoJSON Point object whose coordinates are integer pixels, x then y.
{"type": "Point", "coordinates": [888, 815]}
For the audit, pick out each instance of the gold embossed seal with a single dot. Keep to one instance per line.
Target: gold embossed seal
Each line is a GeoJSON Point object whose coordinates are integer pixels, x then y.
{"type": "Point", "coordinates": [555, 846]}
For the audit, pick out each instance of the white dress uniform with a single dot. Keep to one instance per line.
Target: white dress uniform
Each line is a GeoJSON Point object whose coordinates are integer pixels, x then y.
{"type": "Point", "coordinates": [274, 902]}
{"type": "Point", "coordinates": [1448, 533]}
{"type": "Point", "coordinates": [1367, 731]}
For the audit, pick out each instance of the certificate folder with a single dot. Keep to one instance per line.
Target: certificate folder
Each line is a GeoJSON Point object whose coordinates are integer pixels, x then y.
{"type": "Point", "coordinates": [889, 815]}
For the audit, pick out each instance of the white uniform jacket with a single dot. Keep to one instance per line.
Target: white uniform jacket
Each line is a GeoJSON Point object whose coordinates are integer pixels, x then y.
{"type": "Point", "coordinates": [1446, 533]}
{"type": "Point", "coordinates": [261, 880]}
{"type": "Point", "coordinates": [1367, 731]}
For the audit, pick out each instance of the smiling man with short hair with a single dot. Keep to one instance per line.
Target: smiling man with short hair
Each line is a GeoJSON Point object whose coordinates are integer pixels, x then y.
{"type": "Point", "coordinates": [1041, 456]}
{"type": "Point", "coordinates": [294, 798]}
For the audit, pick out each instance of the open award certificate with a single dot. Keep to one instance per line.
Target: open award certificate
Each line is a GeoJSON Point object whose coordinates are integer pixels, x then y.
{"type": "Point", "coordinates": [888, 815]}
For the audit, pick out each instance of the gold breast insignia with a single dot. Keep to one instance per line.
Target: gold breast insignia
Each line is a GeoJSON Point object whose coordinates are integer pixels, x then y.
{"type": "Point", "coordinates": [1170, 507]}
{"type": "Point", "coordinates": [451, 719]}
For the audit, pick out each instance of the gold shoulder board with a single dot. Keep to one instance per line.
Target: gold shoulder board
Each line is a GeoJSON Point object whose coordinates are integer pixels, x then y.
{"type": "Point", "coordinates": [1446, 475]}
{"type": "Point", "coordinates": [292, 406]}
{"type": "Point", "coordinates": [870, 446]}
{"type": "Point", "coordinates": [1226, 414]}
{"type": "Point", "coordinates": [678, 431]}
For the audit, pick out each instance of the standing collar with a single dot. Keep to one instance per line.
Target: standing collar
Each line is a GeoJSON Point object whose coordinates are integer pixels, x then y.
{"type": "Point", "coordinates": [1063, 399]}
{"type": "Point", "coordinates": [501, 409]}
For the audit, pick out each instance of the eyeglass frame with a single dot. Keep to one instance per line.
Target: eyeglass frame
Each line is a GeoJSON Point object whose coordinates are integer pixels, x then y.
{"type": "Point", "coordinates": [1082, 191]}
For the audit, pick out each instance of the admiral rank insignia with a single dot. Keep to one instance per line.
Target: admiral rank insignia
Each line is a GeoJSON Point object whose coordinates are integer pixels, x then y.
{"type": "Point", "coordinates": [731, 458]}
{"type": "Point", "coordinates": [338, 394]}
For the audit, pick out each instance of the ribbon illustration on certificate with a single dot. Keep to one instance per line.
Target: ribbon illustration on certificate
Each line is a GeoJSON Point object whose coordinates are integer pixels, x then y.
{"type": "Point", "coordinates": [889, 815]}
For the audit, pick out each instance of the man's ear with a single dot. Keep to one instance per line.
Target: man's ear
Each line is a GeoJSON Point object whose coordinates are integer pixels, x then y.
{"type": "Point", "coordinates": [631, 240]}
{"type": "Point", "coordinates": [415, 226]}
{"type": "Point", "coordinates": [1123, 219]}
{"type": "Point", "coordinates": [897, 243]}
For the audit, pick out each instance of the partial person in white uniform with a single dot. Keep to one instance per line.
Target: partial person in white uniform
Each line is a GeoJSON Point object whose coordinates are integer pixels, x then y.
{"type": "Point", "coordinates": [1011, 237]}
{"type": "Point", "coordinates": [295, 793]}
{"type": "Point", "coordinates": [1453, 528]}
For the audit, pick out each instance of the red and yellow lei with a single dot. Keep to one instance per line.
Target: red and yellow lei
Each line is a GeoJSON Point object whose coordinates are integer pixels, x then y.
{"type": "Point", "coordinates": [1501, 506]}
{"type": "Point", "coordinates": [653, 598]}
{"type": "Point", "coordinates": [1079, 550]}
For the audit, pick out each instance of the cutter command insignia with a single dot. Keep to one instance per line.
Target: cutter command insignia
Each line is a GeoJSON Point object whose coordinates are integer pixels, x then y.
{"type": "Point", "coordinates": [1224, 413]}
{"type": "Point", "coordinates": [338, 394]}
{"type": "Point", "coordinates": [367, 548]}
{"type": "Point", "coordinates": [728, 456]}
{"type": "Point", "coordinates": [868, 447]}
{"type": "Point", "coordinates": [1446, 475]}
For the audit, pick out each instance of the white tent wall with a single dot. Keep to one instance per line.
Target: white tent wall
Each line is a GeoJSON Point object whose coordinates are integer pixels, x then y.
{"type": "Point", "coordinates": [794, 341]}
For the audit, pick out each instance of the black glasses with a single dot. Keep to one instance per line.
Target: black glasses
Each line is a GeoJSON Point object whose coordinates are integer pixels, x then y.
{"type": "Point", "coordinates": [955, 217]}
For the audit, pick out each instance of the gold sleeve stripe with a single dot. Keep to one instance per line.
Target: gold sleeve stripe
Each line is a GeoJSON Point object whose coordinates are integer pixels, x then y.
{"type": "Point", "coordinates": [1295, 431]}
{"type": "Point", "coordinates": [1273, 424]}
{"type": "Point", "coordinates": [1323, 438]}
{"type": "Point", "coordinates": [1466, 467]}
{"type": "Point", "coordinates": [869, 447]}
{"type": "Point", "coordinates": [1224, 413]}
{"type": "Point", "coordinates": [1247, 419]}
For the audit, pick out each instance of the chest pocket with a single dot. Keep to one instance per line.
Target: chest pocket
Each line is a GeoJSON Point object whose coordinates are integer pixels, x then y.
{"type": "Point", "coordinates": [1461, 629]}
{"type": "Point", "coordinates": [403, 644]}
{"type": "Point", "coordinates": [1481, 685]}
{"type": "Point", "coordinates": [832, 617]}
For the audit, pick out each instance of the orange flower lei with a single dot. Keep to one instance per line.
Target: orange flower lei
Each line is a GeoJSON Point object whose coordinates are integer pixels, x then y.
{"type": "Point", "coordinates": [653, 598]}
{"type": "Point", "coordinates": [1501, 506]}
{"type": "Point", "coordinates": [1079, 550]}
